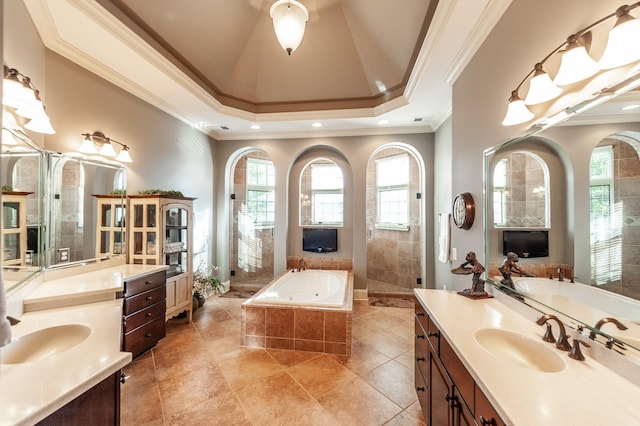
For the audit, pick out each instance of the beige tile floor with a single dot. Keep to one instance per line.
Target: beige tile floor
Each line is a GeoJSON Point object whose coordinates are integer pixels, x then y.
{"type": "Point", "coordinates": [200, 375]}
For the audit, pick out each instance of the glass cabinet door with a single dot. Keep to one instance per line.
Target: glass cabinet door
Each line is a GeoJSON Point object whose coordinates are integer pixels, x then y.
{"type": "Point", "coordinates": [176, 240]}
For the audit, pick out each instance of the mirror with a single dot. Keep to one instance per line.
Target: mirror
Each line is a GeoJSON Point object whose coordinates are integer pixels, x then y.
{"type": "Point", "coordinates": [321, 193]}
{"type": "Point", "coordinates": [21, 207]}
{"type": "Point", "coordinates": [85, 208]}
{"type": "Point", "coordinates": [593, 160]}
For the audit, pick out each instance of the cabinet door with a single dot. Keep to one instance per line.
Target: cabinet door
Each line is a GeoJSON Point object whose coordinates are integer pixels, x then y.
{"type": "Point", "coordinates": [171, 294]}
{"type": "Point", "coordinates": [486, 415]}
{"type": "Point", "coordinates": [441, 396]}
{"type": "Point", "coordinates": [461, 413]}
{"type": "Point", "coordinates": [183, 292]}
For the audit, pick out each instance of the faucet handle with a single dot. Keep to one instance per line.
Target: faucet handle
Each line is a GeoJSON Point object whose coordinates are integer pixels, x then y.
{"type": "Point", "coordinates": [575, 352]}
{"type": "Point", "coordinates": [548, 335]}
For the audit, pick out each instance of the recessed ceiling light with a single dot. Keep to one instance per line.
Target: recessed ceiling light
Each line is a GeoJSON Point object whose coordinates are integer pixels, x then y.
{"type": "Point", "coordinates": [629, 107]}
{"type": "Point", "coordinates": [317, 124]}
{"type": "Point", "coordinates": [255, 127]}
{"type": "Point", "coordinates": [383, 121]}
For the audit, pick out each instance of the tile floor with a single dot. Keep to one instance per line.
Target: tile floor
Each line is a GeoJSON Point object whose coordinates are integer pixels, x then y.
{"type": "Point", "coordinates": [200, 375]}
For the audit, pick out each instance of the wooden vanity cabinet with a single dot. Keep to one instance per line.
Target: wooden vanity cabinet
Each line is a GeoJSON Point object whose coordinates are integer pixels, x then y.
{"type": "Point", "coordinates": [100, 405]}
{"type": "Point", "coordinates": [447, 393]}
{"type": "Point", "coordinates": [144, 307]}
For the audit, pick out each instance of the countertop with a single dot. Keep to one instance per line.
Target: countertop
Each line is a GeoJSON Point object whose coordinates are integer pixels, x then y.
{"type": "Point", "coordinates": [88, 287]}
{"type": "Point", "coordinates": [31, 391]}
{"type": "Point", "coordinates": [584, 392]}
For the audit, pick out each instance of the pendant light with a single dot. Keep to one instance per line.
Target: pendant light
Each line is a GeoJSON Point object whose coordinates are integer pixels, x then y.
{"type": "Point", "coordinates": [576, 64]}
{"type": "Point", "coordinates": [623, 45]}
{"type": "Point", "coordinates": [517, 111]}
{"type": "Point", "coordinates": [289, 20]}
{"type": "Point", "coordinates": [541, 88]}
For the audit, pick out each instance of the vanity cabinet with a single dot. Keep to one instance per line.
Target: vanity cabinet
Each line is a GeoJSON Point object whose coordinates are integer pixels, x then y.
{"type": "Point", "coordinates": [14, 228]}
{"type": "Point", "coordinates": [110, 225]}
{"type": "Point", "coordinates": [161, 233]}
{"type": "Point", "coordinates": [100, 405]}
{"type": "Point", "coordinates": [143, 312]}
{"type": "Point", "coordinates": [447, 393]}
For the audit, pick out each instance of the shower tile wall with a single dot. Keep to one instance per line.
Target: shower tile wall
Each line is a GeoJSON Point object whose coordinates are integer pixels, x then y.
{"type": "Point", "coordinates": [394, 258]}
{"type": "Point", "coordinates": [252, 255]}
{"type": "Point", "coordinates": [525, 203]}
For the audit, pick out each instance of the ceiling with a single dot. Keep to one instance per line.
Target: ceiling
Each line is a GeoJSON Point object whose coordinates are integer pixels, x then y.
{"type": "Point", "coordinates": [218, 66]}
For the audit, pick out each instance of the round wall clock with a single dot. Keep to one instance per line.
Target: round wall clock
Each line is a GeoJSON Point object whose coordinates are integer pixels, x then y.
{"type": "Point", "coordinates": [464, 210]}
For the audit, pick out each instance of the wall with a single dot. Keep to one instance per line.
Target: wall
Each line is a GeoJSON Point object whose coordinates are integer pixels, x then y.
{"type": "Point", "coordinates": [167, 153]}
{"type": "Point", "coordinates": [525, 34]}
{"type": "Point", "coordinates": [352, 154]}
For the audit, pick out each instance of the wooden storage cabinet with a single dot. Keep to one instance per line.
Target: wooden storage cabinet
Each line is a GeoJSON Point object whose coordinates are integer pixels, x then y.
{"type": "Point", "coordinates": [447, 393]}
{"type": "Point", "coordinates": [144, 307]}
{"type": "Point", "coordinates": [14, 228]}
{"type": "Point", "coordinates": [161, 233]}
{"type": "Point", "coordinates": [111, 226]}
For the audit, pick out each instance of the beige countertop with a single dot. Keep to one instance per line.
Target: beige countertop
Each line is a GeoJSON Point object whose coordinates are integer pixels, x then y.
{"type": "Point", "coordinates": [584, 392]}
{"type": "Point", "coordinates": [32, 390]}
{"type": "Point", "coordinates": [88, 287]}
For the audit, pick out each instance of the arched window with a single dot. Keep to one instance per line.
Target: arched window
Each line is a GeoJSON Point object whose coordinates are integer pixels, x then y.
{"type": "Point", "coordinates": [392, 189]}
{"type": "Point", "coordinates": [261, 184]}
{"type": "Point", "coordinates": [321, 194]}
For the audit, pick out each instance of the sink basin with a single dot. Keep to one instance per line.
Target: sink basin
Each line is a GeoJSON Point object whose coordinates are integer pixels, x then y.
{"type": "Point", "coordinates": [44, 343]}
{"type": "Point", "coordinates": [519, 350]}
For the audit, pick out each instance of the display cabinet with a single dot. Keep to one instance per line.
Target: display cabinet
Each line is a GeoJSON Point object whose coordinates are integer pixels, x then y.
{"type": "Point", "coordinates": [110, 225]}
{"type": "Point", "coordinates": [161, 233]}
{"type": "Point", "coordinates": [14, 228]}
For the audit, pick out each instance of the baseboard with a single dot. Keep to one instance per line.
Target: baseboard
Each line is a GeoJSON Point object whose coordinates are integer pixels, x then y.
{"type": "Point", "coordinates": [360, 294]}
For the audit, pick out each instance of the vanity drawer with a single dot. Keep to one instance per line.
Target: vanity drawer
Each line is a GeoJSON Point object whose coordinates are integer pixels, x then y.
{"type": "Point", "coordinates": [422, 316]}
{"type": "Point", "coordinates": [145, 337]}
{"type": "Point", "coordinates": [133, 321]}
{"type": "Point", "coordinates": [143, 300]}
{"type": "Point", "coordinates": [148, 282]}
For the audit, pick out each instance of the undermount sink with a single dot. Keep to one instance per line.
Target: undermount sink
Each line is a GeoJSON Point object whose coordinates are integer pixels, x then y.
{"type": "Point", "coordinates": [43, 343]}
{"type": "Point", "coordinates": [519, 350]}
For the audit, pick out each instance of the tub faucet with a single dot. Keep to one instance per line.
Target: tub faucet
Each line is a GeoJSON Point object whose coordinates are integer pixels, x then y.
{"type": "Point", "coordinates": [560, 274]}
{"type": "Point", "coordinates": [302, 265]}
{"type": "Point", "coordinates": [602, 322]}
{"type": "Point", "coordinates": [563, 342]}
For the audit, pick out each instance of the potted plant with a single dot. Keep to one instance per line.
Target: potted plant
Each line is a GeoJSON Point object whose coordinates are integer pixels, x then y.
{"type": "Point", "coordinates": [205, 283]}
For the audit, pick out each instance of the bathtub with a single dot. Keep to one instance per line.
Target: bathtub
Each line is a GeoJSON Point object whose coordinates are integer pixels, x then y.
{"type": "Point", "coordinates": [306, 288]}
{"type": "Point", "coordinates": [306, 311]}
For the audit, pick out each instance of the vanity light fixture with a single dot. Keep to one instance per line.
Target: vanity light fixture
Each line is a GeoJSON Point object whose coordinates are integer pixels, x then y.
{"type": "Point", "coordinates": [576, 65]}
{"type": "Point", "coordinates": [19, 92]}
{"type": "Point", "coordinates": [104, 147]}
{"type": "Point", "coordinates": [289, 20]}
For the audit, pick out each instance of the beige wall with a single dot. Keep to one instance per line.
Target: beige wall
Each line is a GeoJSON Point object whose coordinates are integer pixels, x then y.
{"type": "Point", "coordinates": [526, 33]}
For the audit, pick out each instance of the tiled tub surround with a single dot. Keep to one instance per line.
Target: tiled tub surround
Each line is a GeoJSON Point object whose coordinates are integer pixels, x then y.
{"type": "Point", "coordinates": [296, 327]}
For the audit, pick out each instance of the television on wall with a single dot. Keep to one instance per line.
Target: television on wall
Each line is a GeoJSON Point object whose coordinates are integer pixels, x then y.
{"type": "Point", "coordinates": [526, 244]}
{"type": "Point", "coordinates": [320, 240]}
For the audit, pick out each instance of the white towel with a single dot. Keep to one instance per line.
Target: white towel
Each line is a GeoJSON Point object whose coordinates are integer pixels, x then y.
{"type": "Point", "coordinates": [5, 327]}
{"type": "Point", "coordinates": [443, 237]}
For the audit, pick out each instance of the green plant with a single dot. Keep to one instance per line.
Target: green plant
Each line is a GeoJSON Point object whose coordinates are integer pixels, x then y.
{"type": "Point", "coordinates": [7, 188]}
{"type": "Point", "coordinates": [119, 192]}
{"type": "Point", "coordinates": [205, 281]}
{"type": "Point", "coordinates": [170, 193]}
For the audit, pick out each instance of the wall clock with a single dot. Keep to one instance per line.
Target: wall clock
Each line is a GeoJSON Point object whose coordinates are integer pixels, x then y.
{"type": "Point", "coordinates": [464, 210]}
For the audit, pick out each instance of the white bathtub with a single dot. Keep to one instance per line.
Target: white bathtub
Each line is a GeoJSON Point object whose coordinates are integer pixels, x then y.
{"type": "Point", "coordinates": [321, 288]}
{"type": "Point", "coordinates": [579, 300]}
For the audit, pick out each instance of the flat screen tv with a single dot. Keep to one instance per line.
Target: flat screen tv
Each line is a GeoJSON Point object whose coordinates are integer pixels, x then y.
{"type": "Point", "coordinates": [526, 243]}
{"type": "Point", "coordinates": [320, 240]}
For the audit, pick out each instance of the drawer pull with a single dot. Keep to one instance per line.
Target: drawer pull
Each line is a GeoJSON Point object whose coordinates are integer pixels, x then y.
{"type": "Point", "coordinates": [148, 335]}
{"type": "Point", "coordinates": [420, 314]}
{"type": "Point", "coordinates": [123, 377]}
{"type": "Point", "coordinates": [420, 336]}
{"type": "Point", "coordinates": [420, 389]}
{"type": "Point", "coordinates": [148, 282]}
{"type": "Point", "coordinates": [485, 422]}
{"type": "Point", "coordinates": [433, 334]}
{"type": "Point", "coordinates": [420, 358]}
{"type": "Point", "coordinates": [149, 297]}
{"type": "Point", "coordinates": [148, 314]}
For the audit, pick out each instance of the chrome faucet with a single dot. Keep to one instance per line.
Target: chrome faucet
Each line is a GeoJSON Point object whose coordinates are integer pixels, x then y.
{"type": "Point", "coordinates": [563, 342]}
{"type": "Point", "coordinates": [302, 265]}
{"type": "Point", "coordinates": [602, 322]}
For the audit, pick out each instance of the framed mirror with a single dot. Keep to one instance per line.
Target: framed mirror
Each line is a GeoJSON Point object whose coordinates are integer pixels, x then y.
{"type": "Point", "coordinates": [85, 205]}
{"type": "Point", "coordinates": [593, 161]}
{"type": "Point", "coordinates": [22, 183]}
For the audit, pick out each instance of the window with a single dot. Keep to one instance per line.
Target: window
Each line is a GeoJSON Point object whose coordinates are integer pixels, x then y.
{"type": "Point", "coordinates": [500, 193]}
{"type": "Point", "coordinates": [326, 193]}
{"type": "Point", "coordinates": [260, 192]}
{"type": "Point", "coordinates": [392, 186]}
{"type": "Point", "coordinates": [605, 219]}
